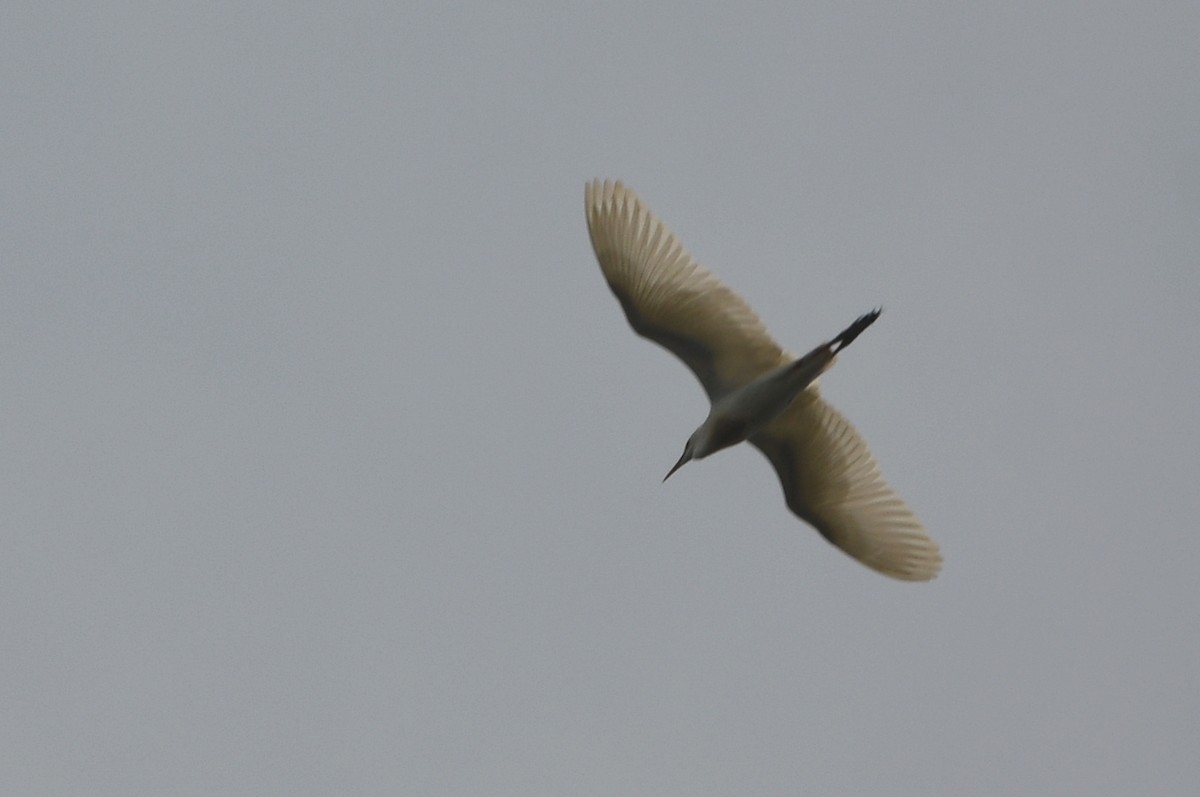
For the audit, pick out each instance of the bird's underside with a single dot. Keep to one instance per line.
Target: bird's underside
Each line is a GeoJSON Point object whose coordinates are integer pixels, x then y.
{"type": "Point", "coordinates": [829, 477]}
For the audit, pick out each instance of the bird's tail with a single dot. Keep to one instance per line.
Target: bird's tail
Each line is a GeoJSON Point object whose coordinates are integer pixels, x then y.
{"type": "Point", "coordinates": [854, 330]}
{"type": "Point", "coordinates": [802, 372]}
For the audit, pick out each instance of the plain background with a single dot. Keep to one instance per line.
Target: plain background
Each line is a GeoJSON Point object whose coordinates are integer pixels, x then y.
{"type": "Point", "coordinates": [330, 465]}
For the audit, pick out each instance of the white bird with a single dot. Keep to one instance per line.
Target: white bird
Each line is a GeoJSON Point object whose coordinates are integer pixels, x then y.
{"type": "Point", "coordinates": [758, 391]}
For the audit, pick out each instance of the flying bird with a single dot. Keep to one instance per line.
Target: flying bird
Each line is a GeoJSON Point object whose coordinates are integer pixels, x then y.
{"type": "Point", "coordinates": [759, 392]}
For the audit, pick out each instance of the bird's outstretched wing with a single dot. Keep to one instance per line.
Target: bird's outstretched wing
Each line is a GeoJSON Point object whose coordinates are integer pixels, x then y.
{"type": "Point", "coordinates": [831, 480]}
{"type": "Point", "coordinates": [671, 299]}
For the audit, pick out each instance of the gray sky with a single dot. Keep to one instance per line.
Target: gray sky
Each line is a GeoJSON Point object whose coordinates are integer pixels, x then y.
{"type": "Point", "coordinates": [331, 466]}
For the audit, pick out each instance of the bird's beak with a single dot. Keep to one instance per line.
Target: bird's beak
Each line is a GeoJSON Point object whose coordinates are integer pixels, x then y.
{"type": "Point", "coordinates": [682, 460]}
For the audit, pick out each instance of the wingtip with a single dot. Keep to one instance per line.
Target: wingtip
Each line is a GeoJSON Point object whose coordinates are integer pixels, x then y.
{"type": "Point", "coordinates": [599, 191]}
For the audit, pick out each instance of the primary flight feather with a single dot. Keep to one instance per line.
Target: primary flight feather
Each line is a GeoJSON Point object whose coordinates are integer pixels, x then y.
{"type": "Point", "coordinates": [759, 392]}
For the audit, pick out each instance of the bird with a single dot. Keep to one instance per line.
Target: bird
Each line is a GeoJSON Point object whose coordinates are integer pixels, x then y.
{"type": "Point", "coordinates": [759, 393]}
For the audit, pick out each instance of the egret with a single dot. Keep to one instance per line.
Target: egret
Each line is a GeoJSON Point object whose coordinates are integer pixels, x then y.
{"type": "Point", "coordinates": [759, 392]}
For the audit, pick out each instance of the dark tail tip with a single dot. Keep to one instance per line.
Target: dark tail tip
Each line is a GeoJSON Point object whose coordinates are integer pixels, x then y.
{"type": "Point", "coordinates": [854, 330]}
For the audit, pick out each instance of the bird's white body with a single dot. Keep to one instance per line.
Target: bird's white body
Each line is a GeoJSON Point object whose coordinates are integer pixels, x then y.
{"type": "Point", "coordinates": [747, 410]}
{"type": "Point", "coordinates": [759, 392]}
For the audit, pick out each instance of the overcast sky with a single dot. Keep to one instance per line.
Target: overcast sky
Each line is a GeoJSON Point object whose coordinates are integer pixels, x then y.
{"type": "Point", "coordinates": [330, 465]}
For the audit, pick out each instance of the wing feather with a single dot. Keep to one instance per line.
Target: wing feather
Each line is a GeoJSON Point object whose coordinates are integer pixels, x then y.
{"type": "Point", "coordinates": [831, 480]}
{"type": "Point", "coordinates": [671, 299]}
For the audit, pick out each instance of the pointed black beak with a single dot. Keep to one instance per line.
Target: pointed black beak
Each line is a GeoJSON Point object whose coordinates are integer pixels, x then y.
{"type": "Point", "coordinates": [682, 461]}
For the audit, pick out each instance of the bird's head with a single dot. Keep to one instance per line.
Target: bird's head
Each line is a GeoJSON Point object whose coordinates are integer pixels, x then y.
{"type": "Point", "coordinates": [689, 453]}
